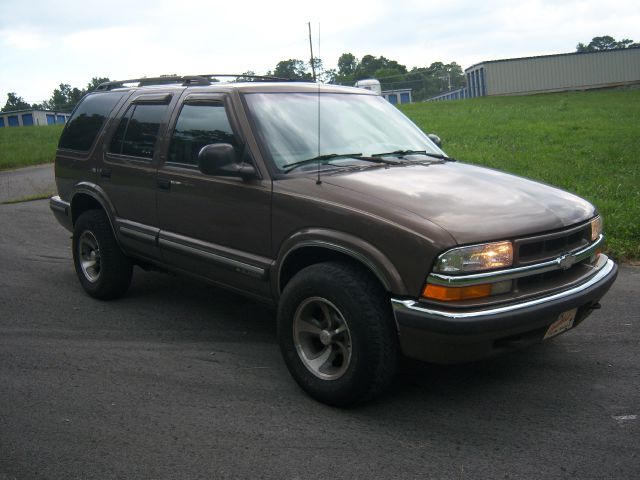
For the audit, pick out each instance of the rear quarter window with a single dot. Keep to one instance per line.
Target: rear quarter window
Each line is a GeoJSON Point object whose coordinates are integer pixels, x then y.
{"type": "Point", "coordinates": [87, 120]}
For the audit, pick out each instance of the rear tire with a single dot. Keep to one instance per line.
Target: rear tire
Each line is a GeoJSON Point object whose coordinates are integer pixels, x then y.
{"type": "Point", "coordinates": [103, 270]}
{"type": "Point", "coordinates": [336, 333]}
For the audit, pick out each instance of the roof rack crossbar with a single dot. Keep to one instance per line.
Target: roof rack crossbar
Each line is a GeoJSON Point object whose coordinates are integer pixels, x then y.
{"type": "Point", "coordinates": [188, 80]}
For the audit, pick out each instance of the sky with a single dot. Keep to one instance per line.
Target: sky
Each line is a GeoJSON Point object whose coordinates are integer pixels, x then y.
{"type": "Point", "coordinates": [45, 43]}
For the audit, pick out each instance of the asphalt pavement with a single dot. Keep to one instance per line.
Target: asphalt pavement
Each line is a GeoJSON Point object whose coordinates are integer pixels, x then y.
{"type": "Point", "coordinates": [179, 380]}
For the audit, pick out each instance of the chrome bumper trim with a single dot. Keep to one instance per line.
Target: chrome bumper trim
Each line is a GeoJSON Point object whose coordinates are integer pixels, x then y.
{"type": "Point", "coordinates": [415, 306]}
{"type": "Point", "coordinates": [58, 205]}
{"type": "Point", "coordinates": [562, 262]}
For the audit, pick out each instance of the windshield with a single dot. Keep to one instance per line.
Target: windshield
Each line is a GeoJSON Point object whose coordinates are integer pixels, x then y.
{"type": "Point", "coordinates": [368, 124]}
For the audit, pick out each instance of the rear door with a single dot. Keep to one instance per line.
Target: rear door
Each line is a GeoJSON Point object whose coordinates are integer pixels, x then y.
{"type": "Point", "coordinates": [215, 227]}
{"type": "Point", "coordinates": [129, 168]}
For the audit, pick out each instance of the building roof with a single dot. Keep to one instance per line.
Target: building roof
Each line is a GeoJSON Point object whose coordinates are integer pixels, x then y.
{"type": "Point", "coordinates": [25, 110]}
{"type": "Point", "coordinates": [551, 55]}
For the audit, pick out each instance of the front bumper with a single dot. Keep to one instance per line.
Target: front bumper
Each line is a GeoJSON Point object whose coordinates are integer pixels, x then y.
{"type": "Point", "coordinates": [450, 336]}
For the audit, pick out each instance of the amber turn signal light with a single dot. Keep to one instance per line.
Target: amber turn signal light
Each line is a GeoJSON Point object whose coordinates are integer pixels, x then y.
{"type": "Point", "coordinates": [449, 294]}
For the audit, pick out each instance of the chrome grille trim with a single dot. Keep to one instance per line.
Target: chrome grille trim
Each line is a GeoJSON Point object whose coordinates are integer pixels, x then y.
{"type": "Point", "coordinates": [543, 245]}
{"type": "Point", "coordinates": [398, 304]}
{"type": "Point", "coordinates": [562, 262]}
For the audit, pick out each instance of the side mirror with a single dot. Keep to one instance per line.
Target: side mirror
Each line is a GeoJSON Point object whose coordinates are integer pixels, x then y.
{"type": "Point", "coordinates": [435, 139]}
{"type": "Point", "coordinates": [220, 159]}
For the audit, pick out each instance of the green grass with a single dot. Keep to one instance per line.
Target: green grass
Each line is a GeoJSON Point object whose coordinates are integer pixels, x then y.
{"type": "Point", "coordinates": [24, 146]}
{"type": "Point", "coordinates": [585, 142]}
{"type": "Point", "coordinates": [30, 198]}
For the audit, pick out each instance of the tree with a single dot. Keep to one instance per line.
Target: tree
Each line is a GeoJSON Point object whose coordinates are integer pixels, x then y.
{"type": "Point", "coordinates": [387, 72]}
{"type": "Point", "coordinates": [60, 98]}
{"type": "Point", "coordinates": [74, 97]}
{"type": "Point", "coordinates": [14, 102]}
{"type": "Point", "coordinates": [247, 76]}
{"type": "Point", "coordinates": [323, 75]}
{"type": "Point", "coordinates": [293, 69]}
{"type": "Point", "coordinates": [64, 98]}
{"type": "Point", "coordinates": [605, 42]}
{"type": "Point", "coordinates": [328, 76]}
{"type": "Point", "coordinates": [369, 65]}
{"type": "Point", "coordinates": [95, 82]}
{"type": "Point", "coordinates": [424, 82]}
{"type": "Point", "coordinates": [347, 64]}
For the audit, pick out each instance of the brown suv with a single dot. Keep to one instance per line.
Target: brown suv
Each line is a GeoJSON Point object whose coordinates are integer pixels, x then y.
{"type": "Point", "coordinates": [331, 204]}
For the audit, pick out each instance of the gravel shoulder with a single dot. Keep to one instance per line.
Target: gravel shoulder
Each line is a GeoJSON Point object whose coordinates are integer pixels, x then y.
{"type": "Point", "coordinates": [27, 182]}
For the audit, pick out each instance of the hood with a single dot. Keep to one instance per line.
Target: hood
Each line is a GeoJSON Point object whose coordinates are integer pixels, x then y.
{"type": "Point", "coordinates": [474, 204]}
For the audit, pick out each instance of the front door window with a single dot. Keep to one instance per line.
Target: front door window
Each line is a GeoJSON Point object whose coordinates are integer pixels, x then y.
{"type": "Point", "coordinates": [199, 125]}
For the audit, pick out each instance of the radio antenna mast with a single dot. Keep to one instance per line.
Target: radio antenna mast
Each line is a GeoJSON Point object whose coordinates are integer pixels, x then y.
{"type": "Point", "coordinates": [313, 70]}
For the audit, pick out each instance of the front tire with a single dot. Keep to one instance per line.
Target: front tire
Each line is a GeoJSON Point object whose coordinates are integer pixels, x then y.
{"type": "Point", "coordinates": [336, 333]}
{"type": "Point", "coordinates": [103, 270]}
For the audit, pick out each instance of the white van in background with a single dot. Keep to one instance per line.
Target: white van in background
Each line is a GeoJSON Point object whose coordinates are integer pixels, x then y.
{"type": "Point", "coordinates": [370, 84]}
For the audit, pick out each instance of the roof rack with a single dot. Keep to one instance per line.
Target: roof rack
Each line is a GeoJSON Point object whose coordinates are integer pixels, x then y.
{"type": "Point", "coordinates": [190, 80]}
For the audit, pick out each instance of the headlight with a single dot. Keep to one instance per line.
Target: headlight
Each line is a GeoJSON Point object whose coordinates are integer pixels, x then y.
{"type": "Point", "coordinates": [475, 258]}
{"type": "Point", "coordinates": [596, 228]}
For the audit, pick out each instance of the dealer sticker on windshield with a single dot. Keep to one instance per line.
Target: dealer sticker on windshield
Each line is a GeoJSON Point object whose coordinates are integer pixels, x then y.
{"type": "Point", "coordinates": [562, 324]}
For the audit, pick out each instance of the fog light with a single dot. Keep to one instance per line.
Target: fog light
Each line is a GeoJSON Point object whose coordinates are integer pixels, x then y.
{"type": "Point", "coordinates": [501, 287]}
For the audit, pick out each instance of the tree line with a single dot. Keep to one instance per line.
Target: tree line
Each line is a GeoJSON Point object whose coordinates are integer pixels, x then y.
{"type": "Point", "coordinates": [425, 82]}
{"type": "Point", "coordinates": [606, 42]}
{"type": "Point", "coordinates": [63, 99]}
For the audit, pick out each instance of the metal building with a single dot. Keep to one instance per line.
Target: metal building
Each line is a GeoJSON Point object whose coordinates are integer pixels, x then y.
{"type": "Point", "coordinates": [553, 73]}
{"type": "Point", "coordinates": [458, 94]}
{"type": "Point", "coordinates": [26, 118]}
{"type": "Point", "coordinates": [400, 95]}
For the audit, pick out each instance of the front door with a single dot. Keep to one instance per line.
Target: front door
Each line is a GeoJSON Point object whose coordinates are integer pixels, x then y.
{"type": "Point", "coordinates": [215, 227]}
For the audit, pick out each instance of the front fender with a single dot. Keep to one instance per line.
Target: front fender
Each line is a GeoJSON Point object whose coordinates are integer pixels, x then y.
{"type": "Point", "coordinates": [343, 243]}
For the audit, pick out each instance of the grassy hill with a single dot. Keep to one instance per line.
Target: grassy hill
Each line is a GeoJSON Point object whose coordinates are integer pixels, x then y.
{"type": "Point", "coordinates": [584, 142]}
{"type": "Point", "coordinates": [24, 146]}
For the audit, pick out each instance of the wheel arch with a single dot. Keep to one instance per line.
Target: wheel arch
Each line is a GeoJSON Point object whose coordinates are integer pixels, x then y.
{"type": "Point", "coordinates": [89, 196]}
{"type": "Point", "coordinates": [318, 245]}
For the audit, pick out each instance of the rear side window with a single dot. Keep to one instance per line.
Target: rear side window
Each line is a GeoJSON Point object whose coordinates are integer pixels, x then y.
{"type": "Point", "coordinates": [87, 120]}
{"type": "Point", "coordinates": [199, 125]}
{"type": "Point", "coordinates": [138, 130]}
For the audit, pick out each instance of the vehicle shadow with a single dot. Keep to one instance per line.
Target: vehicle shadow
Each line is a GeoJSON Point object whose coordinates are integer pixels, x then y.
{"type": "Point", "coordinates": [193, 310]}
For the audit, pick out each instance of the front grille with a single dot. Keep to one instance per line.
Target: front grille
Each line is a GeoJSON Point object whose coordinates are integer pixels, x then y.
{"type": "Point", "coordinates": [549, 246]}
{"type": "Point", "coordinates": [554, 279]}
{"type": "Point", "coordinates": [551, 268]}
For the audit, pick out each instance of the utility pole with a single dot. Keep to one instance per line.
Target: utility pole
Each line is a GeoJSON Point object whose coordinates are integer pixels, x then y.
{"type": "Point", "coordinates": [313, 66]}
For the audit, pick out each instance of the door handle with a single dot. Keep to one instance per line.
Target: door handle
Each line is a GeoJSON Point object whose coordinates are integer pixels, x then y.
{"type": "Point", "coordinates": [164, 183]}
{"type": "Point", "coordinates": [105, 173]}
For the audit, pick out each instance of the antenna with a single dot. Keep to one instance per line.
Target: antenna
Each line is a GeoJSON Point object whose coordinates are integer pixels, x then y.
{"type": "Point", "coordinates": [318, 182]}
{"type": "Point", "coordinates": [313, 70]}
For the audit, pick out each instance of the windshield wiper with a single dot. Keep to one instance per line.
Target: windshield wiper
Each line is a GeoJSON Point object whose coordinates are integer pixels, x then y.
{"type": "Point", "coordinates": [401, 153]}
{"type": "Point", "coordinates": [333, 156]}
{"type": "Point", "coordinates": [320, 158]}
